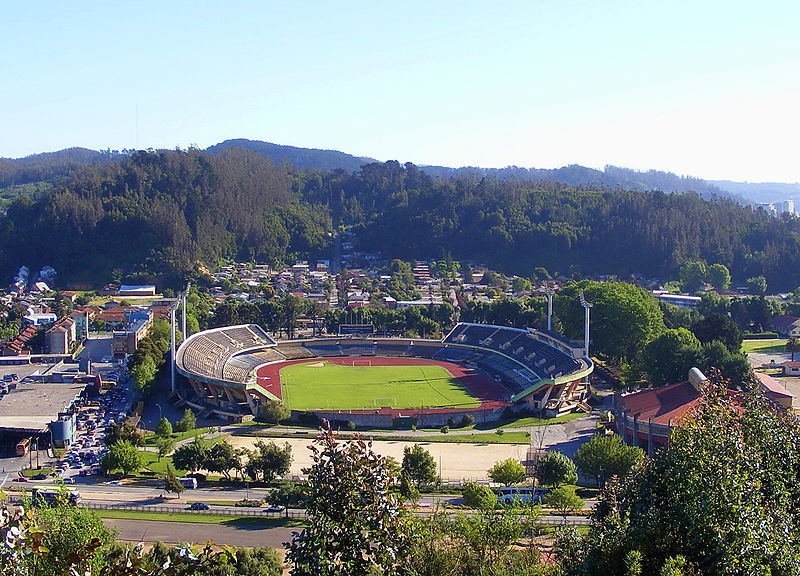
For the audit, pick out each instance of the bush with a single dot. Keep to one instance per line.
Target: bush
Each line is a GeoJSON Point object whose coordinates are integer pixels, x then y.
{"type": "Point", "coordinates": [467, 420]}
{"type": "Point", "coordinates": [444, 429]}
{"type": "Point", "coordinates": [760, 336]}
{"type": "Point", "coordinates": [188, 422]}
{"type": "Point", "coordinates": [451, 422]}
{"type": "Point", "coordinates": [245, 503]}
{"type": "Point", "coordinates": [479, 496]}
{"type": "Point", "coordinates": [351, 425]}
{"type": "Point", "coordinates": [273, 412]}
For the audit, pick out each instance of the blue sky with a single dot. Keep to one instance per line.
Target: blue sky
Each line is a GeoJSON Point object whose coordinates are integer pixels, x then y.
{"type": "Point", "coordinates": [702, 88]}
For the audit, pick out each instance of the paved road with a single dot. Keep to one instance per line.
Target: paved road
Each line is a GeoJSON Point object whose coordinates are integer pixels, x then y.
{"type": "Point", "coordinates": [176, 532]}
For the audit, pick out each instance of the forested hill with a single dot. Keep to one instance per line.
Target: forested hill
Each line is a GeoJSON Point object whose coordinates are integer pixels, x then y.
{"type": "Point", "coordinates": [611, 177]}
{"type": "Point", "coordinates": [516, 225]}
{"type": "Point", "coordinates": [162, 213]}
{"type": "Point", "coordinates": [50, 166]}
{"type": "Point", "coordinates": [301, 158]}
{"type": "Point", "coordinates": [574, 175]}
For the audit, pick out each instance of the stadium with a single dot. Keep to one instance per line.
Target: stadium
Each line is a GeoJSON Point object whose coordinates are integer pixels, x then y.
{"type": "Point", "coordinates": [476, 369]}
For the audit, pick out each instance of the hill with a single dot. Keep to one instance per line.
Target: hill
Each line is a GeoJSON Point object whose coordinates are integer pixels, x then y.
{"type": "Point", "coordinates": [762, 192]}
{"type": "Point", "coordinates": [49, 166]}
{"type": "Point", "coordinates": [301, 158]}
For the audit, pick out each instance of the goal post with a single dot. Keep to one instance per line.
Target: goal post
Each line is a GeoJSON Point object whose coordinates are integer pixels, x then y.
{"type": "Point", "coordinates": [384, 402]}
{"type": "Point", "coordinates": [362, 362]}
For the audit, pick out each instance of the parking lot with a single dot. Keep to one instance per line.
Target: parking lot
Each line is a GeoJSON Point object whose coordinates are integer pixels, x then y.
{"type": "Point", "coordinates": [94, 418]}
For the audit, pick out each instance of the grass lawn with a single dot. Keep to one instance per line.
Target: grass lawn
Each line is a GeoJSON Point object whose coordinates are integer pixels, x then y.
{"type": "Point", "coordinates": [152, 463]}
{"type": "Point", "coordinates": [764, 346]}
{"type": "Point", "coordinates": [189, 518]}
{"type": "Point", "coordinates": [320, 385]}
{"type": "Point", "coordinates": [150, 438]}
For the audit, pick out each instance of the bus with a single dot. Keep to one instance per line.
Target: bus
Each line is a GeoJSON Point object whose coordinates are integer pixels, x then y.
{"type": "Point", "coordinates": [23, 446]}
{"type": "Point", "coordinates": [188, 483]}
{"type": "Point", "coordinates": [522, 495]}
{"type": "Point", "coordinates": [50, 497]}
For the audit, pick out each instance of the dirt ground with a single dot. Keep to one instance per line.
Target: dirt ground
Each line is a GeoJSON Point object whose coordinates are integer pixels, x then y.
{"type": "Point", "coordinates": [456, 461]}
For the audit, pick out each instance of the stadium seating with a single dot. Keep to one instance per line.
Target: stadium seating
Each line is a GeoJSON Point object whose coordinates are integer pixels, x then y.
{"type": "Point", "coordinates": [541, 359]}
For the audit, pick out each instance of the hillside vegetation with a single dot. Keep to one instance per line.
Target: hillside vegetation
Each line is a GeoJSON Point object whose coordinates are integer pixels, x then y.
{"type": "Point", "coordinates": [160, 213]}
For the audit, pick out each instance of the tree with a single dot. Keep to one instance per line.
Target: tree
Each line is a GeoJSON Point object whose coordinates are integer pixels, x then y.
{"type": "Point", "coordinates": [355, 524]}
{"type": "Point", "coordinates": [171, 481]}
{"type": "Point", "coordinates": [479, 496]}
{"type": "Point", "coordinates": [191, 456]}
{"type": "Point", "coordinates": [607, 455]}
{"type": "Point", "coordinates": [124, 431]}
{"type": "Point", "coordinates": [718, 327]}
{"type": "Point", "coordinates": [793, 345]}
{"type": "Point", "coordinates": [519, 284]}
{"type": "Point", "coordinates": [507, 472]}
{"type": "Point", "coordinates": [222, 457]}
{"type": "Point", "coordinates": [693, 275]}
{"type": "Point", "coordinates": [408, 490]}
{"type": "Point", "coordinates": [268, 461]}
{"type": "Point", "coordinates": [165, 445]}
{"type": "Point", "coordinates": [163, 428]}
{"type": "Point", "coordinates": [719, 276]}
{"type": "Point", "coordinates": [122, 455]}
{"type": "Point", "coordinates": [289, 495]}
{"type": "Point", "coordinates": [554, 469]}
{"type": "Point", "coordinates": [624, 317]}
{"type": "Point", "coordinates": [724, 494]}
{"type": "Point", "coordinates": [68, 535]}
{"type": "Point", "coordinates": [418, 465]}
{"type": "Point", "coordinates": [564, 500]}
{"type": "Point", "coordinates": [668, 358]}
{"type": "Point", "coordinates": [272, 412]}
{"type": "Point", "coordinates": [188, 422]}
{"type": "Point", "coordinates": [144, 374]}
{"type": "Point", "coordinates": [757, 285]}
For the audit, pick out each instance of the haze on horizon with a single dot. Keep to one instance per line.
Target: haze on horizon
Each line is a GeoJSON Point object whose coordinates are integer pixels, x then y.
{"type": "Point", "coordinates": [703, 89]}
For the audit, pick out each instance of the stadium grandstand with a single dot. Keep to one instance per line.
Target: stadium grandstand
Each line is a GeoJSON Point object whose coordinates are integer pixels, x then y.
{"type": "Point", "coordinates": [538, 369]}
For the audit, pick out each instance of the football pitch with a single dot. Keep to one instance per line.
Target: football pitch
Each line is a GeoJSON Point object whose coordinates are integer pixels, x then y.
{"type": "Point", "coordinates": [324, 386]}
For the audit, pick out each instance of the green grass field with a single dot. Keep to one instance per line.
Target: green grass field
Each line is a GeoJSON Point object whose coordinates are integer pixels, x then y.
{"type": "Point", "coordinates": [324, 386]}
{"type": "Point", "coordinates": [764, 346]}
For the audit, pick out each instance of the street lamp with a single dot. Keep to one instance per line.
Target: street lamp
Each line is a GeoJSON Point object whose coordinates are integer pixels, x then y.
{"type": "Point", "coordinates": [159, 411]}
{"type": "Point", "coordinates": [586, 307]}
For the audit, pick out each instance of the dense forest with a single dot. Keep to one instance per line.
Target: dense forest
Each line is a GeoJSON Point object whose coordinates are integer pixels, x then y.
{"type": "Point", "coordinates": [517, 225]}
{"type": "Point", "coordinates": [160, 214]}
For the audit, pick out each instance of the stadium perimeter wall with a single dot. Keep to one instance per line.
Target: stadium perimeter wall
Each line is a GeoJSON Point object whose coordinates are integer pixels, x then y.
{"type": "Point", "coordinates": [385, 418]}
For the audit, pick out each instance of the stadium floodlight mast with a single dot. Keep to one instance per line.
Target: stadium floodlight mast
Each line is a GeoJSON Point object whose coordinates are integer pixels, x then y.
{"type": "Point", "coordinates": [586, 306]}
{"type": "Point", "coordinates": [549, 293]}
{"type": "Point", "coordinates": [172, 348]}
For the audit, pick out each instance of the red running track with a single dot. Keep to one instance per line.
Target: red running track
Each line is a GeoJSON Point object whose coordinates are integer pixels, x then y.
{"type": "Point", "coordinates": [491, 394]}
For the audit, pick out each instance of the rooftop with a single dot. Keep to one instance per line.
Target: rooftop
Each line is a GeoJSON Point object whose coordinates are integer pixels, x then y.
{"type": "Point", "coordinates": [32, 406]}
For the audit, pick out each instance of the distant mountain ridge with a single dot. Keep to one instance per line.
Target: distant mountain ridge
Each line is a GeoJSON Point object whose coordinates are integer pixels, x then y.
{"type": "Point", "coordinates": [762, 192]}
{"type": "Point", "coordinates": [573, 175]}
{"type": "Point", "coordinates": [49, 166]}
{"type": "Point", "coordinates": [302, 158]}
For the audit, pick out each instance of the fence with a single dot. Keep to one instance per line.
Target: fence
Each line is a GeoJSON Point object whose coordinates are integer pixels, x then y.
{"type": "Point", "coordinates": [180, 509]}
{"type": "Point", "coordinates": [547, 519]}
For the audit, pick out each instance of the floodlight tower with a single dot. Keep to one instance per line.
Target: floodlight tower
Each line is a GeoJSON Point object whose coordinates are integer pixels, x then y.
{"type": "Point", "coordinates": [586, 306]}
{"type": "Point", "coordinates": [549, 293]}
{"type": "Point", "coordinates": [183, 317]}
{"type": "Point", "coordinates": [172, 349]}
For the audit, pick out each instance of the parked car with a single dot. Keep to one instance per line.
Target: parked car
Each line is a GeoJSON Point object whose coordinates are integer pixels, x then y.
{"type": "Point", "coordinates": [275, 508]}
{"type": "Point", "coordinates": [199, 506]}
